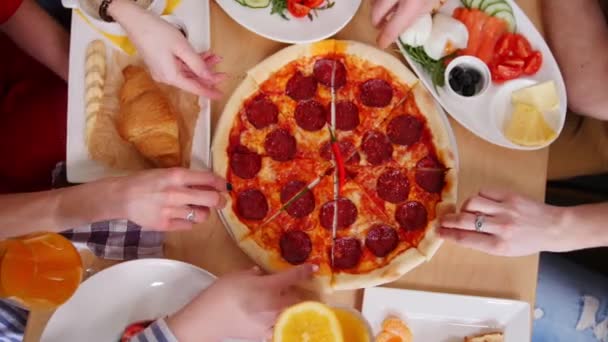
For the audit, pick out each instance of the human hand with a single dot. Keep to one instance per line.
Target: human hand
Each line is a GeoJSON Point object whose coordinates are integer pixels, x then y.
{"type": "Point", "coordinates": [395, 16]}
{"type": "Point", "coordinates": [243, 305]}
{"type": "Point", "coordinates": [161, 199]}
{"type": "Point", "coordinates": [167, 53]}
{"type": "Point", "coordinates": [513, 226]}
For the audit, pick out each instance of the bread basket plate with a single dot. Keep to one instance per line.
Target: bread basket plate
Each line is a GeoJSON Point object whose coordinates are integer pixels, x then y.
{"type": "Point", "coordinates": [442, 317]}
{"type": "Point", "coordinates": [81, 167]}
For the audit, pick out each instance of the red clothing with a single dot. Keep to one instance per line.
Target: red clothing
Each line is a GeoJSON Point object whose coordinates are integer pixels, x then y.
{"type": "Point", "coordinates": [33, 103]}
{"type": "Point", "coordinates": [8, 8]}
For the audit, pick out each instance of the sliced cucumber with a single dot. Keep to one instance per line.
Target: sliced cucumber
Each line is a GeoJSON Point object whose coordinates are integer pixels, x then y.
{"type": "Point", "coordinates": [256, 3]}
{"type": "Point", "coordinates": [241, 2]}
{"type": "Point", "coordinates": [508, 17]}
{"type": "Point", "coordinates": [487, 3]}
{"type": "Point", "coordinates": [498, 7]}
{"type": "Point", "coordinates": [476, 3]}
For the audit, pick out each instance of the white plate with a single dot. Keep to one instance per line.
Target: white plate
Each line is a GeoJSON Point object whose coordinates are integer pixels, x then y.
{"type": "Point", "coordinates": [133, 291]}
{"type": "Point", "coordinates": [439, 317]}
{"type": "Point", "coordinates": [80, 167]}
{"type": "Point", "coordinates": [479, 115]}
{"type": "Point", "coordinates": [294, 30]}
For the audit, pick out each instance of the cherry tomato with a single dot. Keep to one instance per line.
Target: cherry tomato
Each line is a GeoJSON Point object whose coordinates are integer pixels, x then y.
{"type": "Point", "coordinates": [521, 46]}
{"type": "Point", "coordinates": [504, 45]}
{"type": "Point", "coordinates": [297, 8]}
{"type": "Point", "coordinates": [133, 330]}
{"type": "Point", "coordinates": [313, 3]}
{"type": "Point", "coordinates": [533, 63]}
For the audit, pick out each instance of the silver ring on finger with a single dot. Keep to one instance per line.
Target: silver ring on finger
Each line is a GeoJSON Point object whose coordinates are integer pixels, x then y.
{"type": "Point", "coordinates": [191, 216]}
{"type": "Point", "coordinates": [479, 221]}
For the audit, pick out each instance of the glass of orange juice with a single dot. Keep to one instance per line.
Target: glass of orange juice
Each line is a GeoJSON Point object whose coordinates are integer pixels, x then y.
{"type": "Point", "coordinates": [39, 271]}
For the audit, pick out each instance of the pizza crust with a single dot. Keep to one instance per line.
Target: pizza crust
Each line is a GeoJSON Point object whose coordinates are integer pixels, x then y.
{"type": "Point", "coordinates": [384, 59]}
{"type": "Point", "coordinates": [441, 138]}
{"type": "Point", "coordinates": [399, 266]}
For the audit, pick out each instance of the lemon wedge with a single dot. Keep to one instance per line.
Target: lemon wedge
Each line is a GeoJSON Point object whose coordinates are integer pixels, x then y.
{"type": "Point", "coordinates": [528, 127]}
{"type": "Point", "coordinates": [308, 322]}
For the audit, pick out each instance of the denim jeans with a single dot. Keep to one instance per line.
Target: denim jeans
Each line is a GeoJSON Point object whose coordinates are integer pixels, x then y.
{"type": "Point", "coordinates": [564, 291]}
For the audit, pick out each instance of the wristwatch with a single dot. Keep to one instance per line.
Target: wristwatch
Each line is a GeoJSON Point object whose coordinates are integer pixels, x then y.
{"type": "Point", "coordinates": [103, 11]}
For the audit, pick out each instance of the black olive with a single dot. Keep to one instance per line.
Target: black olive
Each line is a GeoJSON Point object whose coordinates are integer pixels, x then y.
{"type": "Point", "coordinates": [455, 84]}
{"type": "Point", "coordinates": [468, 90]}
{"type": "Point", "coordinates": [467, 79]}
{"type": "Point", "coordinates": [475, 75]}
{"type": "Point", "coordinates": [457, 72]}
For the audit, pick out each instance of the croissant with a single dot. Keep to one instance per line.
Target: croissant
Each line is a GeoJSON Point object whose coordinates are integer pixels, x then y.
{"type": "Point", "coordinates": [147, 120]}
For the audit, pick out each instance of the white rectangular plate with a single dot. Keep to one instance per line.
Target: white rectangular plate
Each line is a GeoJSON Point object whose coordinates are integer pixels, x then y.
{"type": "Point", "coordinates": [80, 167]}
{"type": "Point", "coordinates": [440, 317]}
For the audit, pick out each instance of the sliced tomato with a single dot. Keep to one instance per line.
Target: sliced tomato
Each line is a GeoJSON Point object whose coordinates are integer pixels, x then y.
{"type": "Point", "coordinates": [504, 45]}
{"type": "Point", "coordinates": [297, 8]}
{"type": "Point", "coordinates": [521, 46]}
{"type": "Point", "coordinates": [505, 72]}
{"type": "Point", "coordinates": [313, 3]}
{"type": "Point", "coordinates": [514, 62]}
{"type": "Point", "coordinates": [533, 64]}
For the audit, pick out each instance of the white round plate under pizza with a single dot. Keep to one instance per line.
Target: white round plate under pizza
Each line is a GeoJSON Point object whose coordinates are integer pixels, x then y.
{"type": "Point", "coordinates": [335, 124]}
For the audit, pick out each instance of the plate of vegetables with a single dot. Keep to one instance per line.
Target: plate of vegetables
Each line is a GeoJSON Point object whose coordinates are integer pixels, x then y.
{"type": "Point", "coordinates": [292, 21]}
{"type": "Point", "coordinates": [488, 66]}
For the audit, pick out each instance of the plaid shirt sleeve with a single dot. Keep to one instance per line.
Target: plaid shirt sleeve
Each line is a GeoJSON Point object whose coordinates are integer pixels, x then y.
{"type": "Point", "coordinates": [156, 332]}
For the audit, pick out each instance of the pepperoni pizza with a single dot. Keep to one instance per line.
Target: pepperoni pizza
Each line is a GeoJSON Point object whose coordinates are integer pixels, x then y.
{"type": "Point", "coordinates": [337, 157]}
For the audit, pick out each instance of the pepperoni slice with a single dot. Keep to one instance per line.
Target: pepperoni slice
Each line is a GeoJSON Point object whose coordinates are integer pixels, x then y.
{"type": "Point", "coordinates": [261, 112]}
{"type": "Point", "coordinates": [251, 204]}
{"type": "Point", "coordinates": [347, 253]}
{"type": "Point", "coordinates": [295, 246]}
{"type": "Point", "coordinates": [393, 186]}
{"type": "Point", "coordinates": [376, 93]}
{"type": "Point", "coordinates": [347, 115]}
{"type": "Point", "coordinates": [377, 147]}
{"type": "Point", "coordinates": [303, 205]}
{"type": "Point", "coordinates": [430, 174]}
{"type": "Point", "coordinates": [323, 69]}
{"type": "Point", "coordinates": [411, 215]}
{"type": "Point", "coordinates": [347, 213]}
{"type": "Point", "coordinates": [245, 164]}
{"type": "Point", "coordinates": [346, 148]}
{"type": "Point", "coordinates": [300, 87]}
{"type": "Point", "coordinates": [381, 239]}
{"type": "Point", "coordinates": [310, 115]}
{"type": "Point", "coordinates": [280, 145]}
{"type": "Point", "coordinates": [404, 130]}
{"type": "Point", "coordinates": [429, 162]}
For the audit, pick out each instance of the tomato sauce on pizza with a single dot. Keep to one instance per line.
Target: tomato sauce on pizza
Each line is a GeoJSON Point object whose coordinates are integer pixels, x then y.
{"type": "Point", "coordinates": [275, 144]}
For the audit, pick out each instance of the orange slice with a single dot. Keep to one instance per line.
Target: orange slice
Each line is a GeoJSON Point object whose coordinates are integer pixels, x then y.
{"type": "Point", "coordinates": [308, 322]}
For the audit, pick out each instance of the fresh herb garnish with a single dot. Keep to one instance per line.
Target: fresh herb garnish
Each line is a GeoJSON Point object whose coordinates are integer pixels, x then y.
{"type": "Point", "coordinates": [279, 7]}
{"type": "Point", "coordinates": [435, 68]}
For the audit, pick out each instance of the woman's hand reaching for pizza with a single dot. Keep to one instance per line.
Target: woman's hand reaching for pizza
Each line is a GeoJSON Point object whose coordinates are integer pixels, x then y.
{"type": "Point", "coordinates": [167, 53]}
{"type": "Point", "coordinates": [163, 199]}
{"type": "Point", "coordinates": [514, 225]}
{"type": "Point", "coordinates": [242, 305]}
{"type": "Point", "coordinates": [393, 17]}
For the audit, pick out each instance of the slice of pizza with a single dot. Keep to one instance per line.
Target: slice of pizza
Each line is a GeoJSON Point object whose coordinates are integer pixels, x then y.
{"type": "Point", "coordinates": [368, 250]}
{"type": "Point", "coordinates": [294, 235]}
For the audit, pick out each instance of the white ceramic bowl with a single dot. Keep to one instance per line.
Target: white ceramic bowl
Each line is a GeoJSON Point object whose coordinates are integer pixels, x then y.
{"type": "Point", "coordinates": [469, 62]}
{"type": "Point", "coordinates": [90, 11]}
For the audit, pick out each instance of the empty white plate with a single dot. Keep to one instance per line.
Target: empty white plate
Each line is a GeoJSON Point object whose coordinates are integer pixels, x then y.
{"type": "Point", "coordinates": [440, 317]}
{"type": "Point", "coordinates": [133, 291]}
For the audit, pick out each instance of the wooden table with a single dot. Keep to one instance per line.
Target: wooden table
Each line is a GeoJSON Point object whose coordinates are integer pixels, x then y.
{"type": "Point", "coordinates": [453, 269]}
